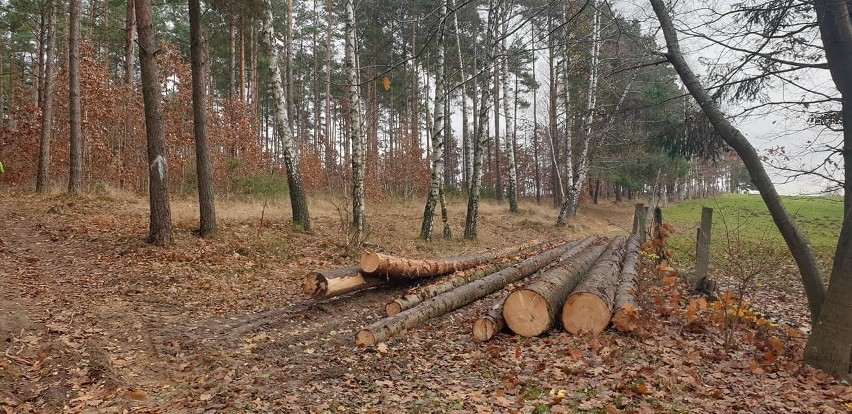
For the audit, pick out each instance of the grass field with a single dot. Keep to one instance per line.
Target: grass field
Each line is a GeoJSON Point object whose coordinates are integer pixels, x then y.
{"type": "Point", "coordinates": [744, 220]}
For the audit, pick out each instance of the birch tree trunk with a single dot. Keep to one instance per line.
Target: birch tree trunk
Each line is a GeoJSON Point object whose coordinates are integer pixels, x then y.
{"type": "Point", "coordinates": [510, 136]}
{"type": "Point", "coordinates": [43, 179]}
{"type": "Point", "coordinates": [75, 174]}
{"type": "Point", "coordinates": [467, 147]}
{"type": "Point", "coordinates": [497, 68]}
{"type": "Point", "coordinates": [572, 201]}
{"type": "Point", "coordinates": [160, 223]}
{"type": "Point", "coordinates": [298, 201]}
{"type": "Point", "coordinates": [356, 112]}
{"type": "Point", "coordinates": [204, 169]}
{"type": "Point", "coordinates": [480, 140]}
{"type": "Point", "coordinates": [437, 184]}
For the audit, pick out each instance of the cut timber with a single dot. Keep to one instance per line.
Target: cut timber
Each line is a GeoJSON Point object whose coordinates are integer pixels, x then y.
{"type": "Point", "coordinates": [412, 299]}
{"type": "Point", "coordinates": [380, 264]}
{"type": "Point", "coordinates": [463, 277]}
{"type": "Point", "coordinates": [625, 318]}
{"type": "Point", "coordinates": [487, 326]}
{"type": "Point", "coordinates": [532, 310]}
{"type": "Point", "coordinates": [463, 295]}
{"type": "Point", "coordinates": [589, 308]}
{"type": "Point", "coordinates": [330, 283]}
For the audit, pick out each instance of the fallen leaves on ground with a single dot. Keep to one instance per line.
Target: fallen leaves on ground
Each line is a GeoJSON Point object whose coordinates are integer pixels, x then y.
{"type": "Point", "coordinates": [93, 319]}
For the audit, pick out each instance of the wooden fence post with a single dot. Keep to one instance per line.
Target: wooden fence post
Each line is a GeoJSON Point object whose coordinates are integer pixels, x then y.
{"type": "Point", "coordinates": [639, 225]}
{"type": "Point", "coordinates": [702, 246]}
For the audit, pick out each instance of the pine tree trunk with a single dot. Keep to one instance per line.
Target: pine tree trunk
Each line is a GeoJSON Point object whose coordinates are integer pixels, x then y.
{"type": "Point", "coordinates": [298, 200]}
{"type": "Point", "coordinates": [129, 30]}
{"type": "Point", "coordinates": [160, 228]}
{"type": "Point", "coordinates": [203, 166]}
{"type": "Point", "coordinates": [458, 297]}
{"type": "Point", "coordinates": [232, 55]}
{"type": "Point", "coordinates": [589, 308]}
{"type": "Point", "coordinates": [75, 176]}
{"type": "Point", "coordinates": [533, 309]}
{"type": "Point", "coordinates": [41, 41]}
{"type": "Point", "coordinates": [625, 318]}
{"type": "Point", "coordinates": [330, 283]}
{"type": "Point", "coordinates": [43, 179]}
{"type": "Point", "coordinates": [356, 113]}
{"type": "Point", "coordinates": [242, 77]}
{"type": "Point", "coordinates": [535, 132]}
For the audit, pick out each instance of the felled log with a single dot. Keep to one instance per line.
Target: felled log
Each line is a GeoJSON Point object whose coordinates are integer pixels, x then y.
{"type": "Point", "coordinates": [626, 316]}
{"type": "Point", "coordinates": [416, 297]}
{"type": "Point", "coordinates": [490, 323]}
{"type": "Point", "coordinates": [394, 267]}
{"type": "Point", "coordinates": [463, 295]}
{"type": "Point", "coordinates": [463, 277]}
{"type": "Point", "coordinates": [589, 308]}
{"type": "Point", "coordinates": [330, 283]}
{"type": "Point", "coordinates": [532, 310]}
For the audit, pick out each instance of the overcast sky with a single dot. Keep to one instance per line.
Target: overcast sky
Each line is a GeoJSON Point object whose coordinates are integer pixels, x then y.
{"type": "Point", "coordinates": [768, 127]}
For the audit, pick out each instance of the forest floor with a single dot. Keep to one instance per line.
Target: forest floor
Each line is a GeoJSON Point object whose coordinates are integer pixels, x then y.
{"type": "Point", "coordinates": [94, 320]}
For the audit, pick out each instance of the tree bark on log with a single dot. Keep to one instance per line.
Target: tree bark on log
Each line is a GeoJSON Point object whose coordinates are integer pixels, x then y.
{"type": "Point", "coordinates": [330, 283]}
{"type": "Point", "coordinates": [380, 264]}
{"type": "Point", "coordinates": [626, 318]}
{"type": "Point", "coordinates": [463, 295]}
{"type": "Point", "coordinates": [489, 324]}
{"type": "Point", "coordinates": [589, 308]}
{"type": "Point", "coordinates": [533, 309]}
{"type": "Point", "coordinates": [464, 277]}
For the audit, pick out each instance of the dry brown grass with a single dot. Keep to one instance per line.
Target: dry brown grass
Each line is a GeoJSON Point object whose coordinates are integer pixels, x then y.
{"type": "Point", "coordinates": [394, 224]}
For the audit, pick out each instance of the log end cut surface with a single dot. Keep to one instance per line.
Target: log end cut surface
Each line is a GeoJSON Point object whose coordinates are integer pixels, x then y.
{"type": "Point", "coordinates": [393, 308]}
{"type": "Point", "coordinates": [484, 329]}
{"type": "Point", "coordinates": [585, 313]}
{"type": "Point", "coordinates": [365, 338]}
{"type": "Point", "coordinates": [370, 262]}
{"type": "Point", "coordinates": [527, 313]}
{"type": "Point", "coordinates": [314, 283]}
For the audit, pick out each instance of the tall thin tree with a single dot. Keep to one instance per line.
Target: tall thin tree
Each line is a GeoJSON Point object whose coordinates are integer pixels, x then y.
{"type": "Point", "coordinates": [75, 176]}
{"type": "Point", "coordinates": [436, 188]}
{"type": "Point", "coordinates": [43, 179]}
{"type": "Point", "coordinates": [203, 165]}
{"type": "Point", "coordinates": [129, 30]}
{"type": "Point", "coordinates": [356, 114]}
{"type": "Point", "coordinates": [160, 222]}
{"type": "Point", "coordinates": [510, 121]}
{"type": "Point", "coordinates": [298, 200]}
{"type": "Point", "coordinates": [480, 137]}
{"type": "Point", "coordinates": [572, 201]}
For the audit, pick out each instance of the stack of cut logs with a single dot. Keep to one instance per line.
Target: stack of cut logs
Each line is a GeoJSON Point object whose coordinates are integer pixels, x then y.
{"type": "Point", "coordinates": [581, 285]}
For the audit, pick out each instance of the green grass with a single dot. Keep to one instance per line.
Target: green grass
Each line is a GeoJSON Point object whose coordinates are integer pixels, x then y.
{"type": "Point", "coordinates": [745, 217]}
